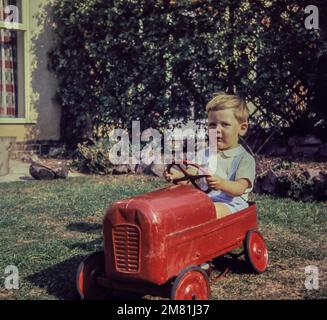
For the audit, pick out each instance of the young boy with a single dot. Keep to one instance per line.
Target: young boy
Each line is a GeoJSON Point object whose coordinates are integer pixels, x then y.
{"type": "Point", "coordinates": [231, 167]}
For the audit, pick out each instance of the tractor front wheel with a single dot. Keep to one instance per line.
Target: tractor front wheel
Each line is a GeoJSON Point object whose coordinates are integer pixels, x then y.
{"type": "Point", "coordinates": [86, 277]}
{"type": "Point", "coordinates": [191, 284]}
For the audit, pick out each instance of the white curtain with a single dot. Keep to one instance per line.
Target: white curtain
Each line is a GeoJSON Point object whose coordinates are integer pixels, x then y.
{"type": "Point", "coordinates": [7, 69]}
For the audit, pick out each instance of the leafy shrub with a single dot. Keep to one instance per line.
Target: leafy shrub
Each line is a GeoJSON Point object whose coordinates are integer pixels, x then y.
{"type": "Point", "coordinates": [296, 186]}
{"type": "Point", "coordinates": [283, 165]}
{"type": "Point", "coordinates": [94, 157]}
{"type": "Point", "coordinates": [301, 188]}
{"type": "Point", "coordinates": [123, 60]}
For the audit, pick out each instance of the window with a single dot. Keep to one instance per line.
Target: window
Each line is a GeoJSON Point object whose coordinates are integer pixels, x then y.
{"type": "Point", "coordinates": [13, 57]}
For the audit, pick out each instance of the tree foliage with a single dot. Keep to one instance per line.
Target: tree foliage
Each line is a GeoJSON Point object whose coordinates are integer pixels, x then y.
{"type": "Point", "coordinates": [157, 60]}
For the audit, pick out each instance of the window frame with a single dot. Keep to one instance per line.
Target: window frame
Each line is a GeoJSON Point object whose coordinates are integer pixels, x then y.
{"type": "Point", "coordinates": [25, 28]}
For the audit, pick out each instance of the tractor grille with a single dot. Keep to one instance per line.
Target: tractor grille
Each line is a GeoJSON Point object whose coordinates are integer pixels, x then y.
{"type": "Point", "coordinates": [126, 240]}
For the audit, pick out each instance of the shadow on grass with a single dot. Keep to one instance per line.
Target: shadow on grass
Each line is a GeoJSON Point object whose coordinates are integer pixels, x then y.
{"type": "Point", "coordinates": [85, 227]}
{"type": "Point", "coordinates": [59, 280]}
{"type": "Point", "coordinates": [26, 178]}
{"type": "Point", "coordinates": [234, 265]}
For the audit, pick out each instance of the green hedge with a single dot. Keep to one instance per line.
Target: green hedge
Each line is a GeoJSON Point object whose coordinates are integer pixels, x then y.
{"type": "Point", "coordinates": [123, 60]}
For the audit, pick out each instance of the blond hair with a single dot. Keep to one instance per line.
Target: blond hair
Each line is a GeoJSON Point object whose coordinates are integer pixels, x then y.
{"type": "Point", "coordinates": [222, 101]}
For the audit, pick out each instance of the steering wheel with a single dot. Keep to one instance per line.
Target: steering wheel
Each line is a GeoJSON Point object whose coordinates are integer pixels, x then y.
{"type": "Point", "coordinates": [183, 167]}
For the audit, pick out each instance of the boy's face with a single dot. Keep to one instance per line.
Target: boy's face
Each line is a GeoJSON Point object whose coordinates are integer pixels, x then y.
{"type": "Point", "coordinates": [226, 127]}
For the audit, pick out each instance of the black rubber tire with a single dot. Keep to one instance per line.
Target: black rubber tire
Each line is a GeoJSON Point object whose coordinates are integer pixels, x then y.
{"type": "Point", "coordinates": [86, 277]}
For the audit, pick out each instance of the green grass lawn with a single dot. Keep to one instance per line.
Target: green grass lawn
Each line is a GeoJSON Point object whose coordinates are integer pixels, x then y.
{"type": "Point", "coordinates": [48, 227]}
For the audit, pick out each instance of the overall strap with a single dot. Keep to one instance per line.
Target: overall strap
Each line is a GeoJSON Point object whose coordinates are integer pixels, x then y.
{"type": "Point", "coordinates": [206, 154]}
{"type": "Point", "coordinates": [234, 166]}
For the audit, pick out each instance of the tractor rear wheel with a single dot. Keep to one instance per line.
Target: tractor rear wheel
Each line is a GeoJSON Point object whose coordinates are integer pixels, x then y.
{"type": "Point", "coordinates": [255, 251]}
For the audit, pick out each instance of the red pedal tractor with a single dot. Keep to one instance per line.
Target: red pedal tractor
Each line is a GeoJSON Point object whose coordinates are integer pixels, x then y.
{"type": "Point", "coordinates": [157, 243]}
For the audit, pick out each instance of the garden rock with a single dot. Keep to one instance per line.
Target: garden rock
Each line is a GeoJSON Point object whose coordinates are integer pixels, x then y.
{"type": "Point", "coordinates": [306, 181]}
{"type": "Point", "coordinates": [157, 169]}
{"type": "Point", "coordinates": [41, 172]}
{"type": "Point", "coordinates": [61, 172]}
{"type": "Point", "coordinates": [269, 182]}
{"type": "Point", "coordinates": [143, 168]}
{"type": "Point", "coordinates": [121, 169]}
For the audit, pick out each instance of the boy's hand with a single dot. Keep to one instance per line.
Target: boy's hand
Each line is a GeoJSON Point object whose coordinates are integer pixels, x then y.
{"type": "Point", "coordinates": [214, 182]}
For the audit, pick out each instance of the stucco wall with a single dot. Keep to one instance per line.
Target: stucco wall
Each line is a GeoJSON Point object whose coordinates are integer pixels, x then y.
{"type": "Point", "coordinates": [45, 113]}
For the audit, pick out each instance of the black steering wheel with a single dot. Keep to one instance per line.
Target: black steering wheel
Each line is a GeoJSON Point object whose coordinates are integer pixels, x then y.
{"type": "Point", "coordinates": [193, 178]}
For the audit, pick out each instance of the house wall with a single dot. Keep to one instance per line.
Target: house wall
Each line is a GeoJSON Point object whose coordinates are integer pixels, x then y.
{"type": "Point", "coordinates": [44, 114]}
